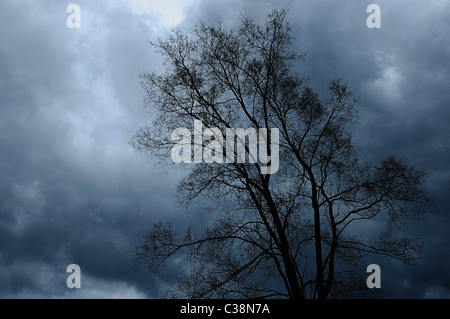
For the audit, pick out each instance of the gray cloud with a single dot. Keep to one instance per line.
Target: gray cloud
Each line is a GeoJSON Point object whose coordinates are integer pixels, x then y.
{"type": "Point", "coordinates": [73, 190]}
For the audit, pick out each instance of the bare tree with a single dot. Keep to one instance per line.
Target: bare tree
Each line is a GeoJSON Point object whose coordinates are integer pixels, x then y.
{"type": "Point", "coordinates": [297, 233]}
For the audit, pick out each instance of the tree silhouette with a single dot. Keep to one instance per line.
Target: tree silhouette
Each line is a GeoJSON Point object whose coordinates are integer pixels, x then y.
{"type": "Point", "coordinates": [299, 233]}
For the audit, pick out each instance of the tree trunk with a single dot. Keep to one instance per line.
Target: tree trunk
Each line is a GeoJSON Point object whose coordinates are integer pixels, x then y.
{"type": "Point", "coordinates": [289, 264]}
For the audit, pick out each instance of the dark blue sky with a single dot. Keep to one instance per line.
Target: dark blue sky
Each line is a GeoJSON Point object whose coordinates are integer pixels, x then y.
{"type": "Point", "coordinates": [72, 190]}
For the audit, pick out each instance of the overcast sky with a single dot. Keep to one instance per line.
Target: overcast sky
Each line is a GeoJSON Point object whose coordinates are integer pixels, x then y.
{"type": "Point", "coordinates": [72, 190]}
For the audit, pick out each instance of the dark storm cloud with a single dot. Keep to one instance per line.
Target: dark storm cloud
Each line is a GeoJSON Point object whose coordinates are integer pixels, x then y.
{"type": "Point", "coordinates": [73, 191]}
{"type": "Point", "coordinates": [400, 72]}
